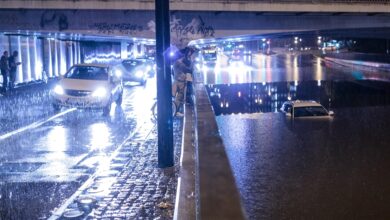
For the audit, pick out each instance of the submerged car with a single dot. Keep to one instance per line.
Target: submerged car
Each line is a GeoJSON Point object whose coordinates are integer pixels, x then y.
{"type": "Point", "coordinates": [88, 86]}
{"type": "Point", "coordinates": [136, 70]}
{"type": "Point", "coordinates": [305, 109]}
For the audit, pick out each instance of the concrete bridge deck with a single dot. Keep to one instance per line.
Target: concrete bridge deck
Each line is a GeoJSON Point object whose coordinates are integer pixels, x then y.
{"type": "Point", "coordinates": [344, 6]}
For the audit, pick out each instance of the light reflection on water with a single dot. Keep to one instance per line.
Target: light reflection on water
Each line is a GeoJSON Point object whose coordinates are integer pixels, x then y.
{"type": "Point", "coordinates": [100, 136]}
{"type": "Point", "coordinates": [58, 145]}
{"type": "Point", "coordinates": [268, 97]}
{"type": "Point", "coordinates": [57, 140]}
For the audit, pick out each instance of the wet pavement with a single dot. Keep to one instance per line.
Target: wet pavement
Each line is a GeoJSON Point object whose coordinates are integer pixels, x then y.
{"type": "Point", "coordinates": [49, 159]}
{"type": "Point", "coordinates": [307, 168]}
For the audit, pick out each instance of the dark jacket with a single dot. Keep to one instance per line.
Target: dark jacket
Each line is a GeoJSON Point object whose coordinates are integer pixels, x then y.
{"type": "Point", "coordinates": [12, 64]}
{"type": "Point", "coordinates": [4, 63]}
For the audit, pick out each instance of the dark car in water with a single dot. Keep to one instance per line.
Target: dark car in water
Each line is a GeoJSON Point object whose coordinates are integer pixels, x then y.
{"type": "Point", "coordinates": [135, 70]}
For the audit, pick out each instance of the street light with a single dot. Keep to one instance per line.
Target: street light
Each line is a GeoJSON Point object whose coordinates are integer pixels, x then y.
{"type": "Point", "coordinates": [319, 41]}
{"type": "Point", "coordinates": [295, 42]}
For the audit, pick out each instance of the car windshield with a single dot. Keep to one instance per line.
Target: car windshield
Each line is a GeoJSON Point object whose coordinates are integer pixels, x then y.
{"type": "Point", "coordinates": [210, 56]}
{"type": "Point", "coordinates": [87, 73]}
{"type": "Point", "coordinates": [310, 111]}
{"type": "Point", "coordinates": [132, 64]}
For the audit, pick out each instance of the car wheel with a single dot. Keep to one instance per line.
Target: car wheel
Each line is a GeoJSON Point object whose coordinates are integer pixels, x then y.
{"type": "Point", "coordinates": [119, 100]}
{"type": "Point", "coordinates": [56, 107]}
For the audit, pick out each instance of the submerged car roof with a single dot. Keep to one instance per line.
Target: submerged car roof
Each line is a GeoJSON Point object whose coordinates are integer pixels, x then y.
{"type": "Point", "coordinates": [304, 103]}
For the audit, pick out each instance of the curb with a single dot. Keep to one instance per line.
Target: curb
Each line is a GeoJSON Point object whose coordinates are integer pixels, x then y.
{"type": "Point", "coordinates": [206, 185]}
{"type": "Point", "coordinates": [185, 207]}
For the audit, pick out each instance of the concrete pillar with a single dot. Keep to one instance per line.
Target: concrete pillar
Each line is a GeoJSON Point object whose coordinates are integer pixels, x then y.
{"type": "Point", "coordinates": [124, 50]}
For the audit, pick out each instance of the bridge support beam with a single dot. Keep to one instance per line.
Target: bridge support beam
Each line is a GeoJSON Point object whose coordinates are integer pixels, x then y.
{"type": "Point", "coordinates": [164, 113]}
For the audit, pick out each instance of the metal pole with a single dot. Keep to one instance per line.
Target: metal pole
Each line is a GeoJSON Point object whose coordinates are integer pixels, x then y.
{"type": "Point", "coordinates": [164, 113]}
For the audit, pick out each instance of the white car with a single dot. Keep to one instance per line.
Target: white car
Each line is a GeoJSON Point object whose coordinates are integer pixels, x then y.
{"type": "Point", "coordinates": [88, 86]}
{"type": "Point", "coordinates": [305, 109]}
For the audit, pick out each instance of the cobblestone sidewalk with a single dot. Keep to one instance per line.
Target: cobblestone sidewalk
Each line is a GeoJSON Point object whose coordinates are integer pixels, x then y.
{"type": "Point", "coordinates": [132, 187]}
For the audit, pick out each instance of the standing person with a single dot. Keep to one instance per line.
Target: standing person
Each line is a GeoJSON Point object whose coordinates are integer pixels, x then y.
{"type": "Point", "coordinates": [181, 68]}
{"type": "Point", "coordinates": [12, 68]}
{"type": "Point", "coordinates": [4, 70]}
{"type": "Point", "coordinates": [189, 77]}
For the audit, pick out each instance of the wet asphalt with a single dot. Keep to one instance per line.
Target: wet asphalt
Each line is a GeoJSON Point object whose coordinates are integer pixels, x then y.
{"type": "Point", "coordinates": [47, 155]}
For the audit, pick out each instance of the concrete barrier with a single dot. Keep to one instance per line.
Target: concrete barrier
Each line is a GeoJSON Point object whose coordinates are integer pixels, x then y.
{"type": "Point", "coordinates": [185, 207]}
{"type": "Point", "coordinates": [384, 66]}
{"type": "Point", "coordinates": [206, 186]}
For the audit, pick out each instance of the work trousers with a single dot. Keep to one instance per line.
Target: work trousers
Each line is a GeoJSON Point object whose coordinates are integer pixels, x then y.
{"type": "Point", "coordinates": [178, 91]}
{"type": "Point", "coordinates": [12, 77]}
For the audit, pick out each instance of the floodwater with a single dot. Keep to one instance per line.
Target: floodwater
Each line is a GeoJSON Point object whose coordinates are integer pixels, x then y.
{"type": "Point", "coordinates": [306, 168]}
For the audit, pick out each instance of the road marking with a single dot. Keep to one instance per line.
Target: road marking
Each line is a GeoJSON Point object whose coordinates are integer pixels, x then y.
{"type": "Point", "coordinates": [34, 125]}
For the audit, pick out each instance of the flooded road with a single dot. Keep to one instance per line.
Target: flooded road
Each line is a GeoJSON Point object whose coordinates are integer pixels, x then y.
{"type": "Point", "coordinates": [306, 168]}
{"type": "Point", "coordinates": [283, 68]}
{"type": "Point", "coordinates": [47, 155]}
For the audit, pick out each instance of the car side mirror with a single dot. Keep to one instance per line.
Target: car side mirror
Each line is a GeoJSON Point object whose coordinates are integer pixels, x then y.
{"type": "Point", "coordinates": [331, 113]}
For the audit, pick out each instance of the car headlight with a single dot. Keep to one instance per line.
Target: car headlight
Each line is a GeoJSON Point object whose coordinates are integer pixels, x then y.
{"type": "Point", "coordinates": [100, 92]}
{"type": "Point", "coordinates": [58, 90]}
{"type": "Point", "coordinates": [139, 74]}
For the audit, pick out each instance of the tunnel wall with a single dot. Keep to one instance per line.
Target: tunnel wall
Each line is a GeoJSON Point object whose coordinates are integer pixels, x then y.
{"type": "Point", "coordinates": [38, 55]}
{"type": "Point", "coordinates": [100, 52]}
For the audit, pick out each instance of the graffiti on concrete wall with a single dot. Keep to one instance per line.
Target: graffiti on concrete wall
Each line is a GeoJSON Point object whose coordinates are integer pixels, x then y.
{"type": "Point", "coordinates": [183, 33]}
{"type": "Point", "coordinates": [12, 19]}
{"type": "Point", "coordinates": [121, 28]}
{"type": "Point", "coordinates": [195, 29]}
{"type": "Point", "coordinates": [56, 19]}
{"type": "Point", "coordinates": [183, 28]}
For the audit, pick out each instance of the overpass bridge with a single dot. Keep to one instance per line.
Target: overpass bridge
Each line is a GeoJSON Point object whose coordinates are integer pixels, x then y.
{"type": "Point", "coordinates": [53, 35]}
{"type": "Point", "coordinates": [60, 28]}
{"type": "Point", "coordinates": [374, 6]}
{"type": "Point", "coordinates": [192, 19]}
